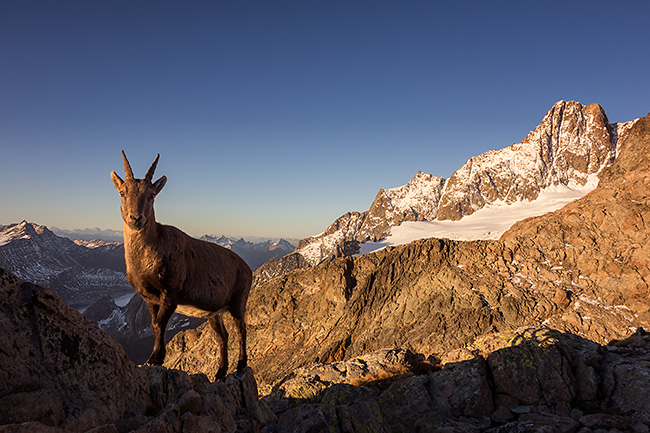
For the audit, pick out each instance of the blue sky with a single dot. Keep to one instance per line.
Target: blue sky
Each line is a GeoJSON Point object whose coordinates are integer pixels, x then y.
{"type": "Point", "coordinates": [273, 118]}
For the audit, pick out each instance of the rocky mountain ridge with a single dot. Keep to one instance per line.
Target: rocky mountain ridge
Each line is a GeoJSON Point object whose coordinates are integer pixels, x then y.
{"type": "Point", "coordinates": [527, 380]}
{"type": "Point", "coordinates": [582, 269]}
{"type": "Point", "coordinates": [571, 143]}
{"type": "Point", "coordinates": [59, 373]}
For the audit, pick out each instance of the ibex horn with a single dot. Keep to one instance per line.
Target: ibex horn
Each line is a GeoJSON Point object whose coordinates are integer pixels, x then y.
{"type": "Point", "coordinates": [127, 167]}
{"type": "Point", "coordinates": [149, 174]}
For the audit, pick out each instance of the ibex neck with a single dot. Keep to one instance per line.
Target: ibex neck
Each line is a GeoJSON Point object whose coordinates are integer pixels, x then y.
{"type": "Point", "coordinates": [140, 238]}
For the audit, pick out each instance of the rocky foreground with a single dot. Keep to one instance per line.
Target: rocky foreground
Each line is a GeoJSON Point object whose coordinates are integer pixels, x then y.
{"type": "Point", "coordinates": [60, 373]}
{"type": "Point", "coordinates": [531, 380]}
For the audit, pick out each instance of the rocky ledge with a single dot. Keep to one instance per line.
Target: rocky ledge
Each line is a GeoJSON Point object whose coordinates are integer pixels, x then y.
{"type": "Point", "coordinates": [529, 380]}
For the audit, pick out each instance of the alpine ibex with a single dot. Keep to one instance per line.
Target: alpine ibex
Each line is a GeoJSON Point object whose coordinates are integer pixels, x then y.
{"type": "Point", "coordinates": [175, 272]}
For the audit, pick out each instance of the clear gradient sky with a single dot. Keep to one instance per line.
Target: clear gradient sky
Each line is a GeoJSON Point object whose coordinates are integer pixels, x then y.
{"type": "Point", "coordinates": [273, 118]}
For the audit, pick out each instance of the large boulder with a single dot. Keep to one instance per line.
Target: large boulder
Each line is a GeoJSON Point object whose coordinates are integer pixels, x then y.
{"type": "Point", "coordinates": [56, 367]}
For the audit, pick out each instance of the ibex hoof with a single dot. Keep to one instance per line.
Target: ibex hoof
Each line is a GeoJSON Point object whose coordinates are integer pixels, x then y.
{"type": "Point", "coordinates": [221, 373]}
{"type": "Point", "coordinates": [155, 359]}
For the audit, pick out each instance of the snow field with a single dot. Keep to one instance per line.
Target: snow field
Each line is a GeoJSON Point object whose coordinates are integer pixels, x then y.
{"type": "Point", "coordinates": [489, 222]}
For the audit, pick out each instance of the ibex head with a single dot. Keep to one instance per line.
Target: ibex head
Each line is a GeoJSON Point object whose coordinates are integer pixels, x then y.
{"type": "Point", "coordinates": [137, 194]}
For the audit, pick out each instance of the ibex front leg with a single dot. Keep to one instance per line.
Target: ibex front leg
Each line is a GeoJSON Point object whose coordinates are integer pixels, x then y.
{"type": "Point", "coordinates": [160, 314]}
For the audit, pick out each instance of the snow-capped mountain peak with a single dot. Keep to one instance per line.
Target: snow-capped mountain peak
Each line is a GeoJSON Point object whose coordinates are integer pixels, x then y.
{"type": "Point", "coordinates": [572, 142]}
{"type": "Point", "coordinates": [77, 273]}
{"type": "Point", "coordinates": [22, 230]}
{"type": "Point", "coordinates": [571, 145]}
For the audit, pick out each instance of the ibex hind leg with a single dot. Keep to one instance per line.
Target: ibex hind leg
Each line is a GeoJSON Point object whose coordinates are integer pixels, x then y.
{"type": "Point", "coordinates": [240, 327]}
{"type": "Point", "coordinates": [216, 322]}
{"type": "Point", "coordinates": [238, 312]}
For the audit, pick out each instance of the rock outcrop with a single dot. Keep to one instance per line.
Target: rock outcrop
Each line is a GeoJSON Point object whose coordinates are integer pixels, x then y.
{"type": "Point", "coordinates": [56, 367]}
{"type": "Point", "coordinates": [528, 380]}
{"type": "Point", "coordinates": [58, 372]}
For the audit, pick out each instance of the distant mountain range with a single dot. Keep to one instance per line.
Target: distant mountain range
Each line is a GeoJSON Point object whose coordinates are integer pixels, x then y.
{"type": "Point", "coordinates": [79, 273]}
{"type": "Point", "coordinates": [255, 254]}
{"type": "Point", "coordinates": [90, 234]}
{"type": "Point", "coordinates": [90, 275]}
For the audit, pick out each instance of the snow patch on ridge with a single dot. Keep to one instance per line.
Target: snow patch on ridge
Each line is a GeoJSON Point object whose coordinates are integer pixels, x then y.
{"type": "Point", "coordinates": [489, 222]}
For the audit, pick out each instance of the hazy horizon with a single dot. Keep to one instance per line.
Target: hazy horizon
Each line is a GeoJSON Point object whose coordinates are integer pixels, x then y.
{"type": "Point", "coordinates": [272, 119]}
{"type": "Point", "coordinates": [90, 233]}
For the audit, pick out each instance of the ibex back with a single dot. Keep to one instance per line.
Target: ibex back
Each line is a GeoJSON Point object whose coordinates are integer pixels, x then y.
{"type": "Point", "coordinates": [175, 272]}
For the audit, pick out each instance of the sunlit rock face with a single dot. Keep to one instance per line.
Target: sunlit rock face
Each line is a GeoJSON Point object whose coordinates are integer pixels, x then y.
{"type": "Point", "coordinates": [531, 379]}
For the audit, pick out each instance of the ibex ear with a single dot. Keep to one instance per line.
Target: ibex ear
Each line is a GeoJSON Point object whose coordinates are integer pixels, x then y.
{"type": "Point", "coordinates": [117, 181]}
{"type": "Point", "coordinates": [158, 185]}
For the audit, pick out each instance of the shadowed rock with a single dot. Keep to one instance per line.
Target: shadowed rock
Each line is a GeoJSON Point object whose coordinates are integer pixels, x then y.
{"type": "Point", "coordinates": [59, 372]}
{"type": "Point", "coordinates": [56, 367]}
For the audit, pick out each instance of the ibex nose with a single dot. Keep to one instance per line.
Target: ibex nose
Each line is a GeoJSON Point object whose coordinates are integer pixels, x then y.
{"type": "Point", "coordinates": [136, 219]}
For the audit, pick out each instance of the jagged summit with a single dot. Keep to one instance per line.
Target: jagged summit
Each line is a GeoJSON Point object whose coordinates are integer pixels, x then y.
{"type": "Point", "coordinates": [282, 244]}
{"type": "Point", "coordinates": [22, 230]}
{"type": "Point", "coordinates": [415, 201]}
{"type": "Point", "coordinates": [569, 148]}
{"type": "Point", "coordinates": [572, 142]}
